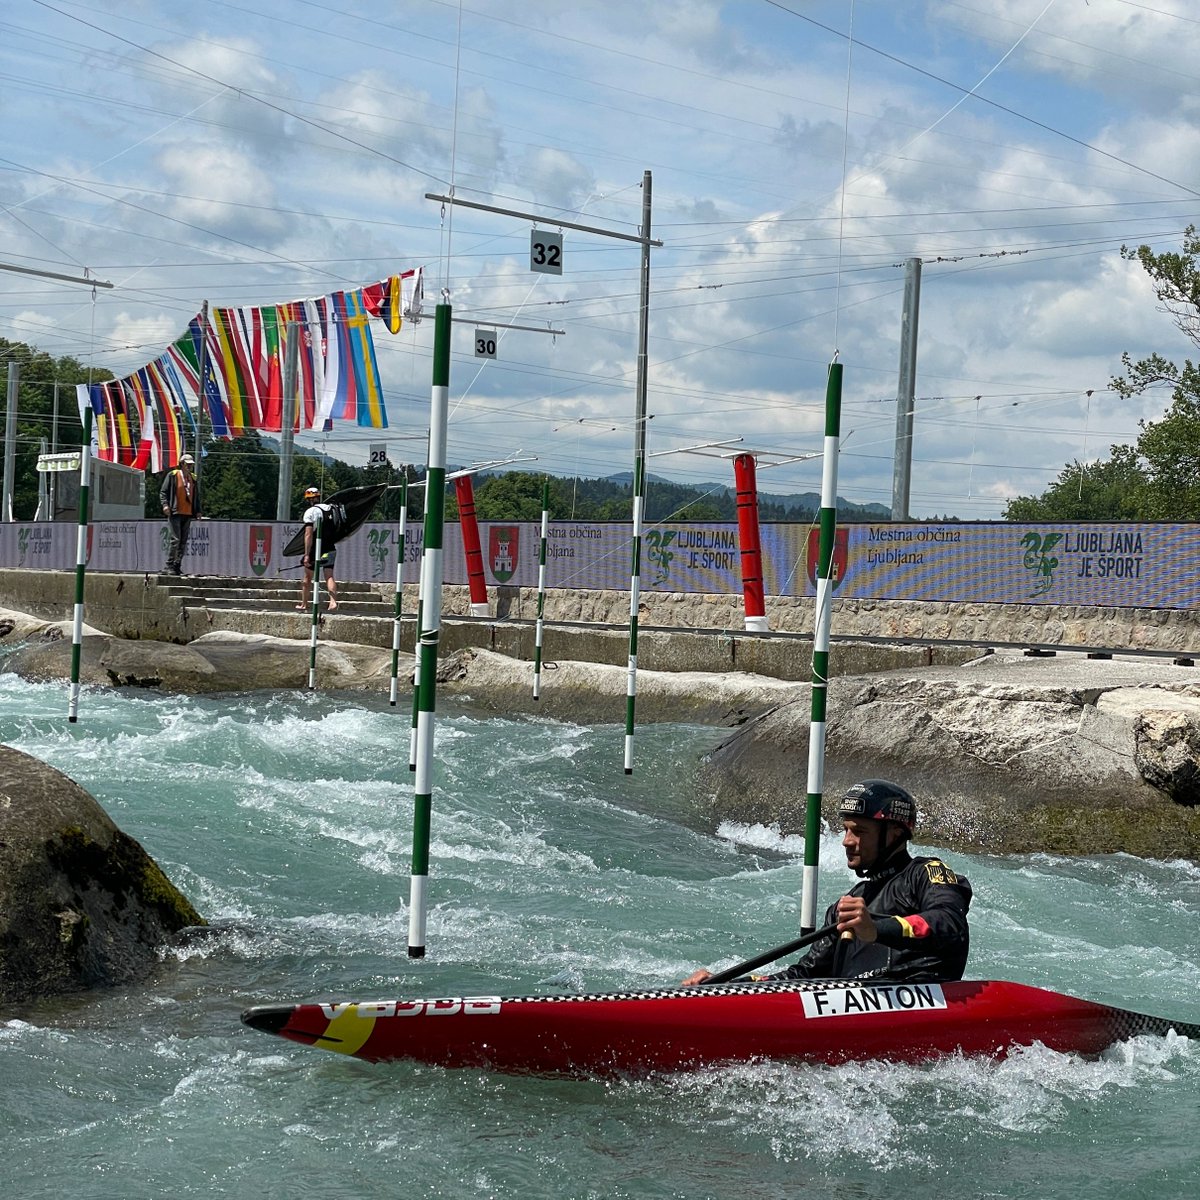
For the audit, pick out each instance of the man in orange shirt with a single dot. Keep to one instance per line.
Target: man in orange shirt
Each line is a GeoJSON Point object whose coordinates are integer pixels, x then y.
{"type": "Point", "coordinates": [180, 500]}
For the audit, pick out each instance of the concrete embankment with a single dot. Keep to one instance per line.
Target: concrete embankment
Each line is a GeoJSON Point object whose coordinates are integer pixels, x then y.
{"type": "Point", "coordinates": [587, 626]}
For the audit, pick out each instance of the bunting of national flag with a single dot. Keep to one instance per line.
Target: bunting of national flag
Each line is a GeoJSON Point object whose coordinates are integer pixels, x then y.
{"type": "Point", "coordinates": [390, 299]}
{"type": "Point", "coordinates": [113, 436]}
{"type": "Point", "coordinates": [244, 351]}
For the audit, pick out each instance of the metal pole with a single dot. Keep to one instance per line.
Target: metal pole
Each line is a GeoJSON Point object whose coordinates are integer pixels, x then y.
{"type": "Point", "coordinates": [429, 631]}
{"type": "Point", "coordinates": [10, 443]}
{"type": "Point", "coordinates": [287, 440]}
{"type": "Point", "coordinates": [52, 482]}
{"type": "Point", "coordinates": [643, 236]}
{"type": "Point", "coordinates": [202, 363]}
{"type": "Point", "coordinates": [906, 392]}
{"type": "Point", "coordinates": [85, 475]}
{"type": "Point", "coordinates": [820, 658]}
{"type": "Point", "coordinates": [639, 472]}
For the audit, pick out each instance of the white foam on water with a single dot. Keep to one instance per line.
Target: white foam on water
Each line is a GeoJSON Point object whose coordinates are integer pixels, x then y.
{"type": "Point", "coordinates": [770, 837]}
{"type": "Point", "coordinates": [895, 1116]}
{"type": "Point", "coordinates": [290, 816]}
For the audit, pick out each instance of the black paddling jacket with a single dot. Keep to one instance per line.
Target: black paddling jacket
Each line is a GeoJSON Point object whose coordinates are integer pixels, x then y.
{"type": "Point", "coordinates": [919, 907]}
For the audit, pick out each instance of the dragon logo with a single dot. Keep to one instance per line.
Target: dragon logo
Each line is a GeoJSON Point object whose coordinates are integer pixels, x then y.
{"type": "Point", "coordinates": [658, 540]}
{"type": "Point", "coordinates": [1037, 559]}
{"type": "Point", "coordinates": [379, 547]}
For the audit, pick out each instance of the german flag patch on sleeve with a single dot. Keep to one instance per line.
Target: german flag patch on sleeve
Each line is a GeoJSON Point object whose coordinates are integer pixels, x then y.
{"type": "Point", "coordinates": [938, 872]}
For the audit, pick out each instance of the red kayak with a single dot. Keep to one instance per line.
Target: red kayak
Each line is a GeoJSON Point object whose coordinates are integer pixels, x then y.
{"type": "Point", "coordinates": [634, 1033]}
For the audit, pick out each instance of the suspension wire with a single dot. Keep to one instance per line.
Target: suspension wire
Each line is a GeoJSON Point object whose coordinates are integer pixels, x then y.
{"type": "Point", "coordinates": [453, 156]}
{"type": "Point", "coordinates": [837, 303]}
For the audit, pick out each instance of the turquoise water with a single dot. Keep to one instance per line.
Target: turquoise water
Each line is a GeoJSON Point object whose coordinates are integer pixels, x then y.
{"type": "Point", "coordinates": [287, 820]}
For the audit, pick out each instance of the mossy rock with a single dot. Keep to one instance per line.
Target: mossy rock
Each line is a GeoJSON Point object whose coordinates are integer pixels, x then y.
{"type": "Point", "coordinates": [81, 903]}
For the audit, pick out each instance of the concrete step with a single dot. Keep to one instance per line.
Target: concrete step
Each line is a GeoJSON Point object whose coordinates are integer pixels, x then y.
{"type": "Point", "coordinates": [347, 607]}
{"type": "Point", "coordinates": [360, 593]}
{"type": "Point", "coordinates": [187, 584]}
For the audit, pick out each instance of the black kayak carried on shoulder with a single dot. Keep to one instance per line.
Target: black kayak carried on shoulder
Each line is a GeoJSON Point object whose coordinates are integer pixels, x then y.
{"type": "Point", "coordinates": [349, 510]}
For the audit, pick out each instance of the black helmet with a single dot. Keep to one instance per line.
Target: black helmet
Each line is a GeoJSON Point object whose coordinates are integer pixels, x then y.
{"type": "Point", "coordinates": [879, 800]}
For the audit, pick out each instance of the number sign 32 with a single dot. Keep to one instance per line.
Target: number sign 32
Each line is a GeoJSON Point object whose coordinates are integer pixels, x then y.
{"type": "Point", "coordinates": [545, 252]}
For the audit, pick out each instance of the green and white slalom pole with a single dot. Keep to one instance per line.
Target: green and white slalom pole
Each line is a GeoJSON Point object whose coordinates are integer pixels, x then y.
{"type": "Point", "coordinates": [316, 607]}
{"type": "Point", "coordinates": [85, 477]}
{"type": "Point", "coordinates": [635, 586]}
{"type": "Point", "coordinates": [820, 659]}
{"type": "Point", "coordinates": [402, 547]}
{"type": "Point", "coordinates": [429, 627]}
{"type": "Point", "coordinates": [541, 607]}
{"type": "Point", "coordinates": [416, 682]}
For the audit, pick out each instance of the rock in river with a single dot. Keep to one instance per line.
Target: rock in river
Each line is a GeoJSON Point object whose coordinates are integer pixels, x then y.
{"type": "Point", "coordinates": [81, 903]}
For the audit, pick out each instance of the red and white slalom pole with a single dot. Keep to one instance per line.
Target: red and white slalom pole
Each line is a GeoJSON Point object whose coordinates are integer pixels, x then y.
{"type": "Point", "coordinates": [464, 492]}
{"type": "Point", "coordinates": [744, 476]}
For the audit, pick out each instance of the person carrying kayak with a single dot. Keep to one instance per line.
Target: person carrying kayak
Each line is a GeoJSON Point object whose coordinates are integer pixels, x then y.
{"type": "Point", "coordinates": [333, 519]}
{"type": "Point", "coordinates": [906, 920]}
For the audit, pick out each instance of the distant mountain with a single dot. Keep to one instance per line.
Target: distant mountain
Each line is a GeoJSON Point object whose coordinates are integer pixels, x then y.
{"type": "Point", "coordinates": [806, 501]}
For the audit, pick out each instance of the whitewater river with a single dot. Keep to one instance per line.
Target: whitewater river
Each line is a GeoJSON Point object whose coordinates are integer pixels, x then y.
{"type": "Point", "coordinates": [287, 821]}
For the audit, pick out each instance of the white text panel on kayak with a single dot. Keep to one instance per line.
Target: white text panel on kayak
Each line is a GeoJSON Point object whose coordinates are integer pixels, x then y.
{"type": "Point", "coordinates": [845, 1002]}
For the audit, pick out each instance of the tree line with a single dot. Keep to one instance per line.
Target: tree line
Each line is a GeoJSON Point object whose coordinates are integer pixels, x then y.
{"type": "Point", "coordinates": [1157, 478]}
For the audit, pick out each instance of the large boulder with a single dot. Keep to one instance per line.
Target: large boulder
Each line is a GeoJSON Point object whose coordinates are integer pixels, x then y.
{"type": "Point", "coordinates": [595, 693]}
{"type": "Point", "coordinates": [997, 766]}
{"type": "Point", "coordinates": [214, 662]}
{"type": "Point", "coordinates": [81, 903]}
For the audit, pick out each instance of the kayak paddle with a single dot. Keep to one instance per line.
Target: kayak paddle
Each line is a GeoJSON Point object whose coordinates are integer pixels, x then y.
{"type": "Point", "coordinates": [771, 955]}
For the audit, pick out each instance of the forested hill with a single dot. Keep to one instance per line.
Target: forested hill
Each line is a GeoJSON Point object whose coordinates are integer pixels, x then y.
{"type": "Point", "coordinates": [609, 499]}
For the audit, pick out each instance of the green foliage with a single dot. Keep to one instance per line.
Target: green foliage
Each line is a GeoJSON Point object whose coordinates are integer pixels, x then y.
{"type": "Point", "coordinates": [517, 496]}
{"type": "Point", "coordinates": [229, 497]}
{"type": "Point", "coordinates": [1111, 490]}
{"type": "Point", "coordinates": [35, 408]}
{"type": "Point", "coordinates": [1158, 479]}
{"type": "Point", "coordinates": [240, 479]}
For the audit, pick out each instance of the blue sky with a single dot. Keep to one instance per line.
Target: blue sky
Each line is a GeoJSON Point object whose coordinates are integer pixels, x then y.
{"type": "Point", "coordinates": [255, 152]}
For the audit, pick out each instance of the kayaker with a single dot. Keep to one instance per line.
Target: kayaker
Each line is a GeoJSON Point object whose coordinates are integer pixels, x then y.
{"type": "Point", "coordinates": [331, 516]}
{"type": "Point", "coordinates": [906, 920]}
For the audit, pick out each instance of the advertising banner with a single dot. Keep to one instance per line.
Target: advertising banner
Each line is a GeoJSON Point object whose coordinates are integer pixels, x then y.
{"type": "Point", "coordinates": [1109, 565]}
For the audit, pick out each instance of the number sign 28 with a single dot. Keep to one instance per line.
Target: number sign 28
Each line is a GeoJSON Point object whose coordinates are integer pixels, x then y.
{"type": "Point", "coordinates": [545, 252]}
